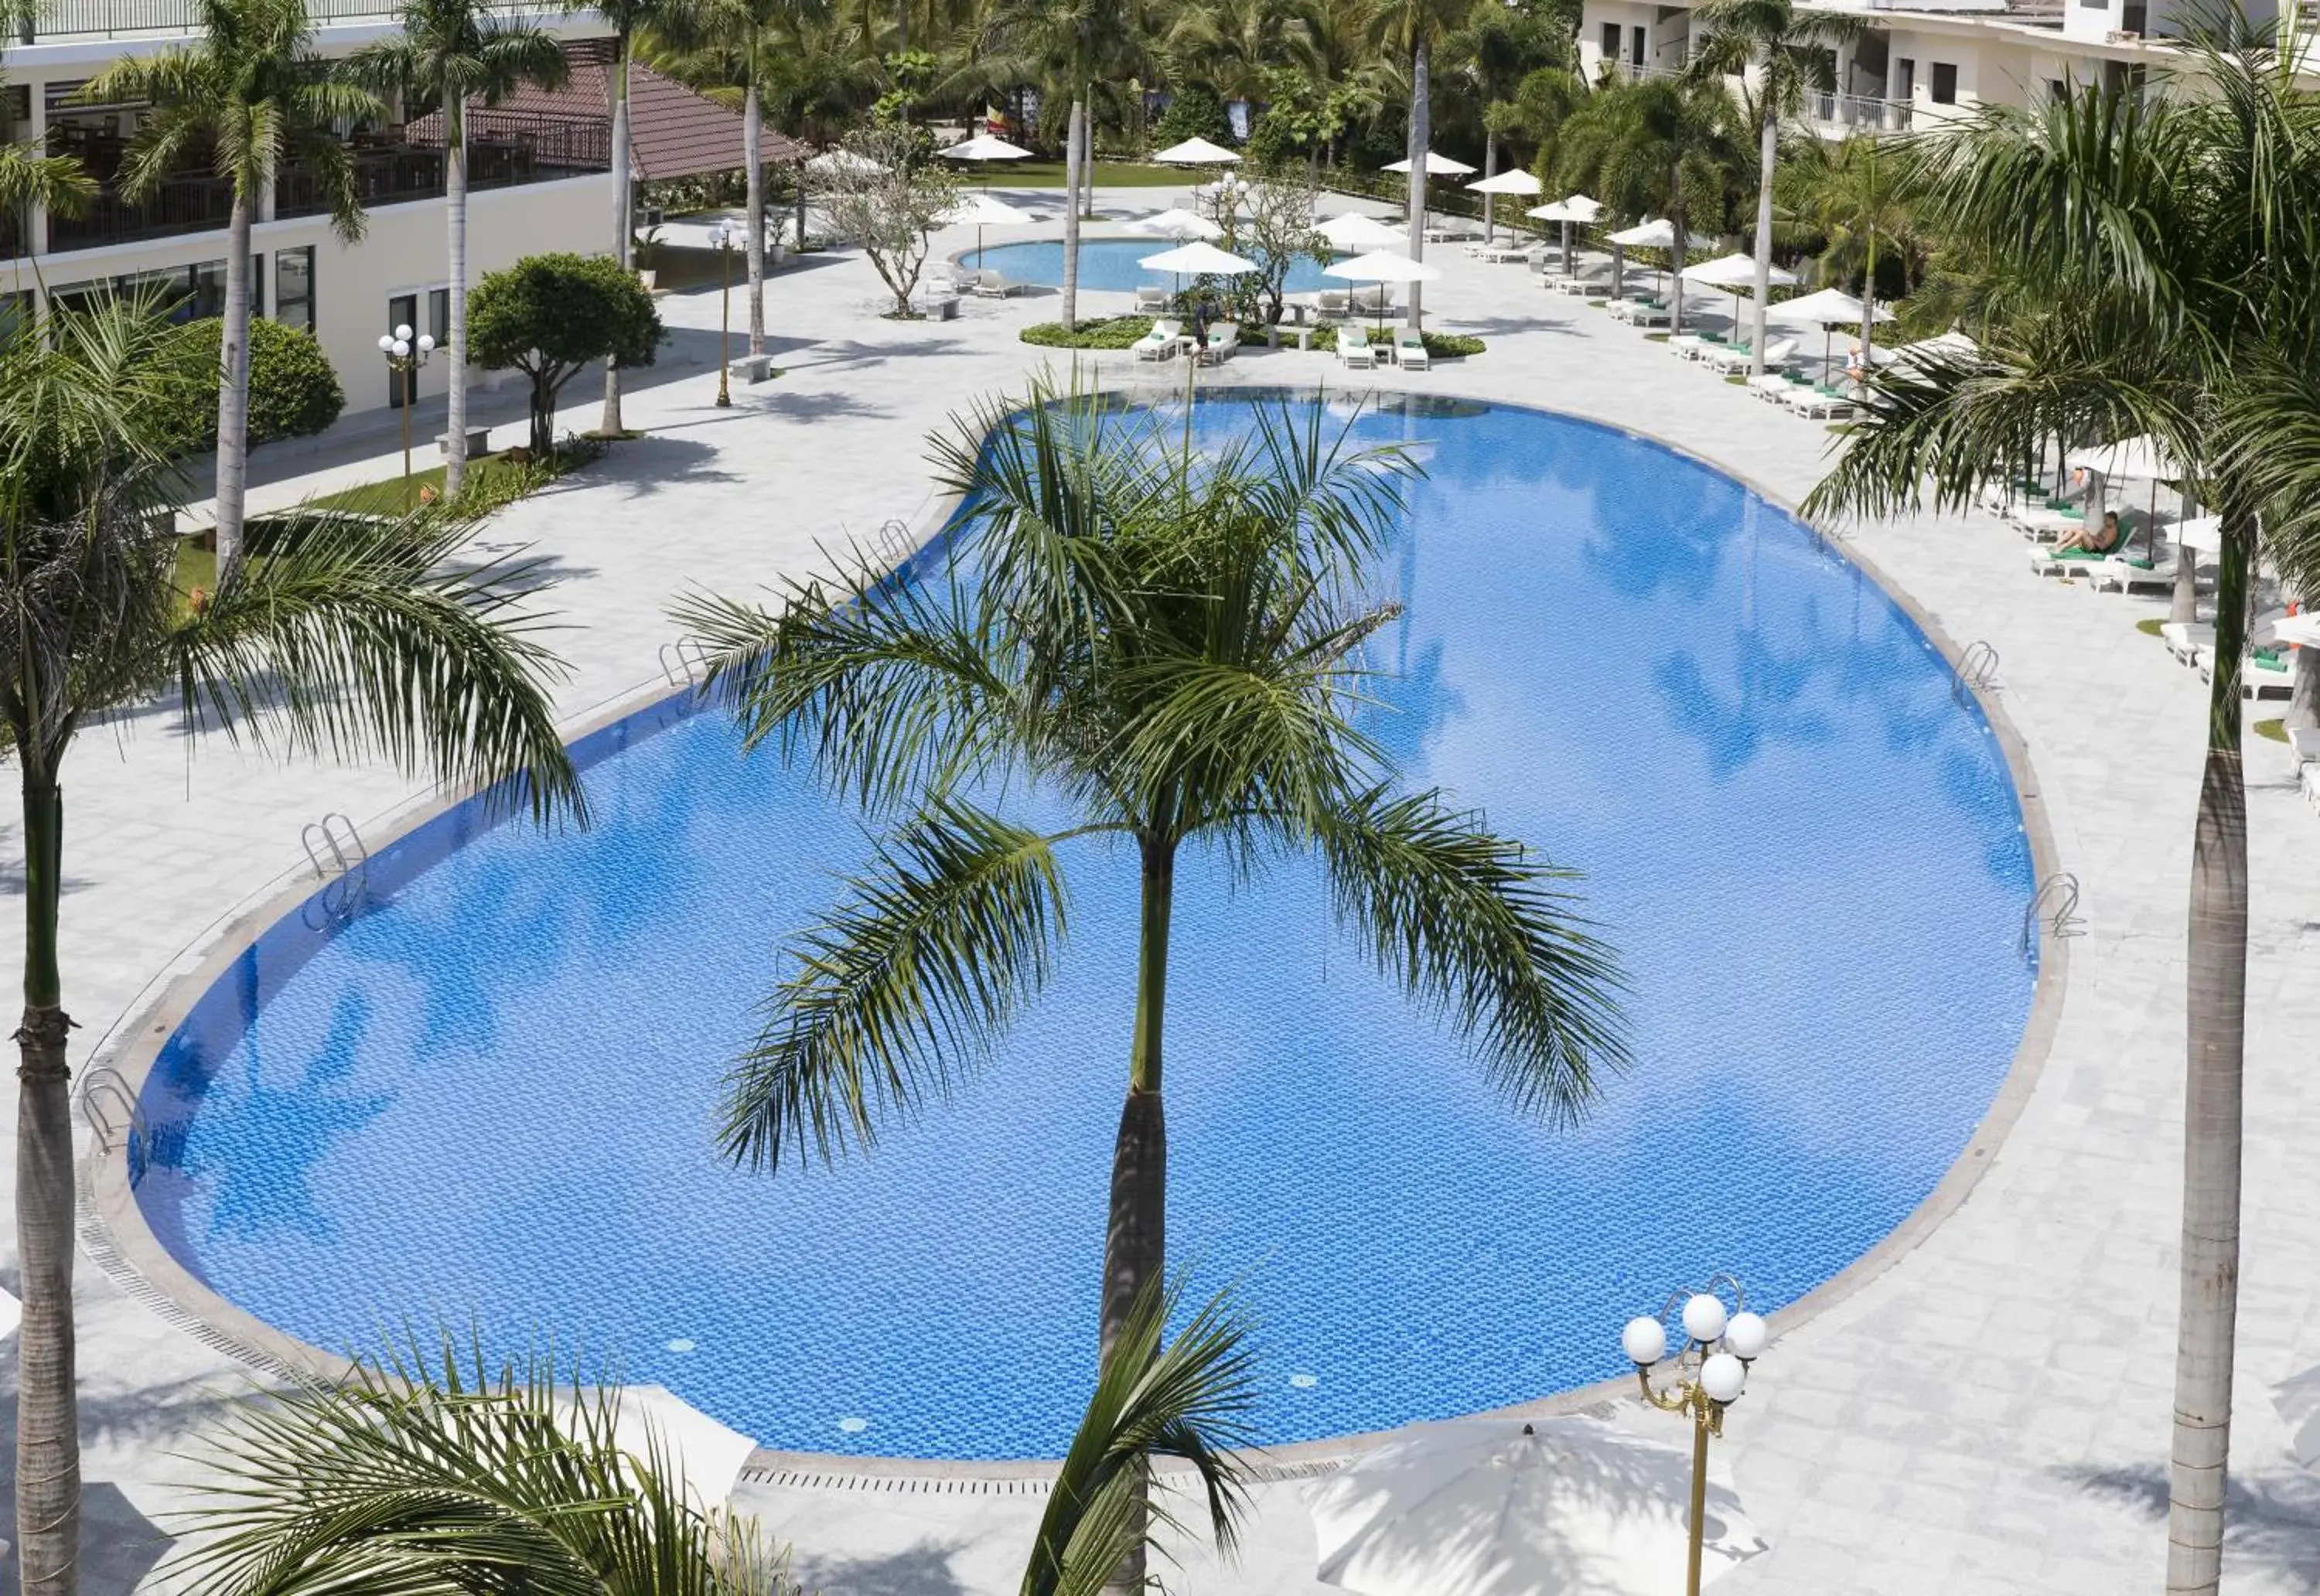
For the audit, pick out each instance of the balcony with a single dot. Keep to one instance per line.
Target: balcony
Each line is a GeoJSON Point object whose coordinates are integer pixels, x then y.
{"type": "Point", "coordinates": [1838, 116]}
{"type": "Point", "coordinates": [65, 20]}
{"type": "Point", "coordinates": [505, 150]}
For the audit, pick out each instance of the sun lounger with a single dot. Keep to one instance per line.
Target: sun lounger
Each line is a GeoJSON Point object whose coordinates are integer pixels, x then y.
{"type": "Point", "coordinates": [2127, 573]}
{"type": "Point", "coordinates": [1224, 343]}
{"type": "Point", "coordinates": [2048, 561]}
{"type": "Point", "coordinates": [2186, 638]}
{"type": "Point", "coordinates": [2304, 746]}
{"type": "Point", "coordinates": [1151, 299]}
{"type": "Point", "coordinates": [2266, 672]}
{"type": "Point", "coordinates": [1685, 346]}
{"type": "Point", "coordinates": [1822, 404]}
{"type": "Point", "coordinates": [1330, 301]}
{"type": "Point", "coordinates": [992, 285]}
{"type": "Point", "coordinates": [1410, 351]}
{"type": "Point", "coordinates": [1499, 254]}
{"type": "Point", "coordinates": [1585, 287]}
{"type": "Point", "coordinates": [2047, 524]}
{"type": "Point", "coordinates": [1161, 343]}
{"type": "Point", "coordinates": [1354, 347]}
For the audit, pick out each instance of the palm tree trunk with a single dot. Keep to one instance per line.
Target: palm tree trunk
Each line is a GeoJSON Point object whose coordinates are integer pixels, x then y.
{"type": "Point", "coordinates": [1421, 134]}
{"type": "Point", "coordinates": [623, 215]}
{"type": "Point", "coordinates": [2214, 1027]}
{"type": "Point", "coordinates": [1072, 216]}
{"type": "Point", "coordinates": [752, 126]}
{"type": "Point", "coordinates": [1682, 242]}
{"type": "Point", "coordinates": [48, 1426]}
{"type": "Point", "coordinates": [1134, 1243]}
{"type": "Point", "coordinates": [233, 386]}
{"type": "Point", "coordinates": [455, 381]}
{"type": "Point", "coordinates": [1087, 157]}
{"type": "Point", "coordinates": [1769, 149]}
{"type": "Point", "coordinates": [1490, 201]}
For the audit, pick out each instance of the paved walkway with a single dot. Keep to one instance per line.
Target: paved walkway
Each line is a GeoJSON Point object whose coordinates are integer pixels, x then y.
{"type": "Point", "coordinates": [1989, 1415]}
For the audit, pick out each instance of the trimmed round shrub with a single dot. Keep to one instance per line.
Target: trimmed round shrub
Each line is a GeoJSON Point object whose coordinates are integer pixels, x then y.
{"type": "Point", "coordinates": [293, 392]}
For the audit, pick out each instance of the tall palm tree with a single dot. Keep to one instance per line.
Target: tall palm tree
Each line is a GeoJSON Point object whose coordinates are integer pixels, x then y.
{"type": "Point", "coordinates": [2164, 279]}
{"type": "Point", "coordinates": [1409, 30]}
{"type": "Point", "coordinates": [349, 638]}
{"type": "Point", "coordinates": [456, 53]}
{"type": "Point", "coordinates": [1173, 645]}
{"type": "Point", "coordinates": [1659, 147]}
{"type": "Point", "coordinates": [1233, 45]}
{"type": "Point", "coordinates": [435, 1473]}
{"type": "Point", "coordinates": [1185, 1398]}
{"type": "Point", "coordinates": [676, 23]}
{"type": "Point", "coordinates": [1790, 49]}
{"type": "Point", "coordinates": [1857, 200]}
{"type": "Point", "coordinates": [249, 99]}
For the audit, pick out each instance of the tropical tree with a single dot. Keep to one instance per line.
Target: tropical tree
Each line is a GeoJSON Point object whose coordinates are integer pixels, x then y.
{"type": "Point", "coordinates": [1658, 148]}
{"type": "Point", "coordinates": [1489, 58]}
{"type": "Point", "coordinates": [1858, 202]}
{"type": "Point", "coordinates": [1409, 30]}
{"type": "Point", "coordinates": [1170, 645]}
{"type": "Point", "coordinates": [29, 174]}
{"type": "Point", "coordinates": [252, 98]}
{"type": "Point", "coordinates": [350, 637]}
{"type": "Point", "coordinates": [1789, 49]}
{"type": "Point", "coordinates": [2165, 279]}
{"type": "Point", "coordinates": [437, 1475]}
{"type": "Point", "coordinates": [457, 53]}
{"type": "Point", "coordinates": [1234, 46]}
{"type": "Point", "coordinates": [675, 22]}
{"type": "Point", "coordinates": [1185, 1398]}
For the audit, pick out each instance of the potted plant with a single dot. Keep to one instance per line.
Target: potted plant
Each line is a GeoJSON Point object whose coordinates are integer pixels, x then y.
{"type": "Point", "coordinates": [648, 250]}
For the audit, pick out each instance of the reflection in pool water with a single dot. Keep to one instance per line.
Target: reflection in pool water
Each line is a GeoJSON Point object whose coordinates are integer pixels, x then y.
{"type": "Point", "coordinates": [1113, 265]}
{"type": "Point", "coordinates": [491, 1097]}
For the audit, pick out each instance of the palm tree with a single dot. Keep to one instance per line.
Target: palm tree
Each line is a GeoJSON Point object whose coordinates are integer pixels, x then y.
{"type": "Point", "coordinates": [1790, 49]}
{"type": "Point", "coordinates": [1408, 29]}
{"type": "Point", "coordinates": [1659, 147]}
{"type": "Point", "coordinates": [1234, 45]}
{"type": "Point", "coordinates": [439, 1474]}
{"type": "Point", "coordinates": [1185, 1400]}
{"type": "Point", "coordinates": [676, 24]}
{"type": "Point", "coordinates": [2163, 279]}
{"type": "Point", "coordinates": [456, 53]}
{"type": "Point", "coordinates": [351, 638]}
{"type": "Point", "coordinates": [29, 176]}
{"type": "Point", "coordinates": [1173, 646]}
{"type": "Point", "coordinates": [251, 99]}
{"type": "Point", "coordinates": [1857, 202]}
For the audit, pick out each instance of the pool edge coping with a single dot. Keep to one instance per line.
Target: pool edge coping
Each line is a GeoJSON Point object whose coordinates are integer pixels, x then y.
{"type": "Point", "coordinates": [181, 1297]}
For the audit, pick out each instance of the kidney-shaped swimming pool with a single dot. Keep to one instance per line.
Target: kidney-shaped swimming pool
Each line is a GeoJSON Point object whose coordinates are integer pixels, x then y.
{"type": "Point", "coordinates": [490, 1097]}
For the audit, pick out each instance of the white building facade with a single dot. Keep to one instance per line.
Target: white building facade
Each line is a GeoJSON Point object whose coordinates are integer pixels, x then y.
{"type": "Point", "coordinates": [537, 184]}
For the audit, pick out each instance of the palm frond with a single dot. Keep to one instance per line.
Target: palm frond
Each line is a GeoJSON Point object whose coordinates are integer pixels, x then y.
{"type": "Point", "coordinates": [902, 985]}
{"type": "Point", "coordinates": [1188, 1400]}
{"type": "Point", "coordinates": [355, 637]}
{"type": "Point", "coordinates": [1470, 924]}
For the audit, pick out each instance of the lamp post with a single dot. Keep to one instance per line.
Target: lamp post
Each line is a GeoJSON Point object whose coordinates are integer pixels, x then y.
{"type": "Point", "coordinates": [1704, 1375]}
{"type": "Point", "coordinates": [722, 237]}
{"type": "Point", "coordinates": [405, 357]}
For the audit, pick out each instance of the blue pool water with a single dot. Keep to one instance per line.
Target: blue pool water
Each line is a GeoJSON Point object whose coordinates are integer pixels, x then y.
{"type": "Point", "coordinates": [489, 1099]}
{"type": "Point", "coordinates": [1113, 265]}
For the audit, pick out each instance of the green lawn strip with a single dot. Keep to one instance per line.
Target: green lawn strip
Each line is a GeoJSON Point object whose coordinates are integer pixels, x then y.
{"type": "Point", "coordinates": [1109, 174]}
{"type": "Point", "coordinates": [1118, 332]}
{"type": "Point", "coordinates": [2277, 730]}
{"type": "Point", "coordinates": [2150, 629]}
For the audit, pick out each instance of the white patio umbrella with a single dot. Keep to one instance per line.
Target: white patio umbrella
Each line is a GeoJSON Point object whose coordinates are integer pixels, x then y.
{"type": "Point", "coordinates": [1513, 180]}
{"type": "Point", "coordinates": [1197, 152]}
{"type": "Point", "coordinates": [1730, 272]}
{"type": "Point", "coordinates": [1382, 266]}
{"type": "Point", "coordinates": [980, 211]}
{"type": "Point", "coordinates": [1555, 1507]}
{"type": "Point", "coordinates": [2304, 632]}
{"type": "Point", "coordinates": [1199, 257]}
{"type": "Point", "coordinates": [1177, 223]}
{"type": "Point", "coordinates": [1832, 308]}
{"type": "Point", "coordinates": [1570, 208]}
{"type": "Point", "coordinates": [984, 147]}
{"type": "Point", "coordinates": [1659, 234]}
{"type": "Point", "coordinates": [1436, 166]}
{"type": "Point", "coordinates": [1356, 230]}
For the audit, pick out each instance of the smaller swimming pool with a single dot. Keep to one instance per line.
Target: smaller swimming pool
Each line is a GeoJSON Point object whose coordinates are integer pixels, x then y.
{"type": "Point", "coordinates": [1111, 265]}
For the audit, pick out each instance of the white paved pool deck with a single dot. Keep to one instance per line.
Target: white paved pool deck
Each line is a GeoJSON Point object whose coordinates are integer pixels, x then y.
{"type": "Point", "coordinates": [1989, 1414]}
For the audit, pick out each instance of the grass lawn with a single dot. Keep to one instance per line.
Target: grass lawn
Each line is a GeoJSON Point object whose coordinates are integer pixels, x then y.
{"type": "Point", "coordinates": [398, 494]}
{"type": "Point", "coordinates": [1109, 174]}
{"type": "Point", "coordinates": [196, 568]}
{"type": "Point", "coordinates": [2148, 627]}
{"type": "Point", "coordinates": [2277, 730]}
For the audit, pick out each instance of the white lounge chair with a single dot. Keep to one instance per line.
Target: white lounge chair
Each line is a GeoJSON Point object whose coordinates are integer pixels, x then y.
{"type": "Point", "coordinates": [1224, 343]}
{"type": "Point", "coordinates": [1161, 343]}
{"type": "Point", "coordinates": [1151, 299]}
{"type": "Point", "coordinates": [2127, 573]}
{"type": "Point", "coordinates": [1685, 346]}
{"type": "Point", "coordinates": [1822, 404]}
{"type": "Point", "coordinates": [1354, 347]}
{"type": "Point", "coordinates": [2304, 746]}
{"type": "Point", "coordinates": [1329, 302]}
{"type": "Point", "coordinates": [1499, 254]}
{"type": "Point", "coordinates": [1410, 351]}
{"type": "Point", "coordinates": [1735, 357]}
{"type": "Point", "coordinates": [2186, 638]}
{"type": "Point", "coordinates": [992, 285]}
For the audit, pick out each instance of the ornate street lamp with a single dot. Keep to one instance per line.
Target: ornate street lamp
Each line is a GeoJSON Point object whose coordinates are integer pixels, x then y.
{"type": "Point", "coordinates": [722, 237]}
{"type": "Point", "coordinates": [1705, 1375]}
{"type": "Point", "coordinates": [405, 357]}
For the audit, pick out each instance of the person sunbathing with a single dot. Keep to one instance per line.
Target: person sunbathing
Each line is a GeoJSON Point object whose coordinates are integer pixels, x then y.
{"type": "Point", "coordinates": [2097, 539]}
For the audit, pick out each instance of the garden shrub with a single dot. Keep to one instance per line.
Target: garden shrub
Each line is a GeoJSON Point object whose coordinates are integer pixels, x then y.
{"type": "Point", "coordinates": [1194, 112]}
{"type": "Point", "coordinates": [293, 392]}
{"type": "Point", "coordinates": [1118, 333]}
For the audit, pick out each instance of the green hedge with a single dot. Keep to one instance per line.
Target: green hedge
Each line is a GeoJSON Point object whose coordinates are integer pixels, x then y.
{"type": "Point", "coordinates": [293, 392]}
{"type": "Point", "coordinates": [1442, 346]}
{"type": "Point", "coordinates": [1119, 333]}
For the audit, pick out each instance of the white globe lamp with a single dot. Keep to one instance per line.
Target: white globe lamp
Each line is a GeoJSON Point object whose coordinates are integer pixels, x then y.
{"type": "Point", "coordinates": [1703, 1317]}
{"type": "Point", "coordinates": [426, 343]}
{"type": "Point", "coordinates": [386, 343]}
{"type": "Point", "coordinates": [402, 350]}
{"type": "Point", "coordinates": [1644, 1341]}
{"type": "Point", "coordinates": [1746, 1335]}
{"type": "Point", "coordinates": [1722, 1376]}
{"type": "Point", "coordinates": [403, 332]}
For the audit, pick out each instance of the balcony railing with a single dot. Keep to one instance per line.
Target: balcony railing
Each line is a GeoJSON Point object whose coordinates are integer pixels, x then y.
{"type": "Point", "coordinates": [1860, 113]}
{"type": "Point", "coordinates": [130, 19]}
{"type": "Point", "coordinates": [506, 149]}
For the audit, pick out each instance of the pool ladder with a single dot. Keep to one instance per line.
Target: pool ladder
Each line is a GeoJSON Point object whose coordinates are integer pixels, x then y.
{"type": "Point", "coordinates": [1977, 671]}
{"type": "Point", "coordinates": [892, 542]}
{"type": "Point", "coordinates": [2055, 904]}
{"type": "Point", "coordinates": [114, 1118]}
{"type": "Point", "coordinates": [686, 662]}
{"type": "Point", "coordinates": [341, 862]}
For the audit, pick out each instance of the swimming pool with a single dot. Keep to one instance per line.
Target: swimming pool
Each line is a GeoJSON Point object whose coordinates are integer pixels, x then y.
{"type": "Point", "coordinates": [489, 1099]}
{"type": "Point", "coordinates": [1113, 265]}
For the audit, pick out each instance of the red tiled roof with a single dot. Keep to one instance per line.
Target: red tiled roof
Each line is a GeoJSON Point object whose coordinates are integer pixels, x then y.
{"type": "Point", "coordinates": [672, 132]}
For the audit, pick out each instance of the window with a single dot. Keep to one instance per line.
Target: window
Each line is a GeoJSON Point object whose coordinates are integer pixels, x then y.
{"type": "Point", "coordinates": [439, 316]}
{"type": "Point", "coordinates": [1905, 77]}
{"type": "Point", "coordinates": [2058, 89]}
{"type": "Point", "coordinates": [1944, 82]}
{"type": "Point", "coordinates": [1610, 43]}
{"type": "Point", "coordinates": [1638, 40]}
{"type": "Point", "coordinates": [294, 288]}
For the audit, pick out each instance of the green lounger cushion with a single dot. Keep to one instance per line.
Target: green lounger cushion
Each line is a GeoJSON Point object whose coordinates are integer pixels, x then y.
{"type": "Point", "coordinates": [2269, 659]}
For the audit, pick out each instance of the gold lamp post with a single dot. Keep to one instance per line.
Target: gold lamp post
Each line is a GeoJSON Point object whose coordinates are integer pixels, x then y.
{"type": "Point", "coordinates": [405, 356]}
{"type": "Point", "coordinates": [1702, 1377]}
{"type": "Point", "coordinates": [722, 237]}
